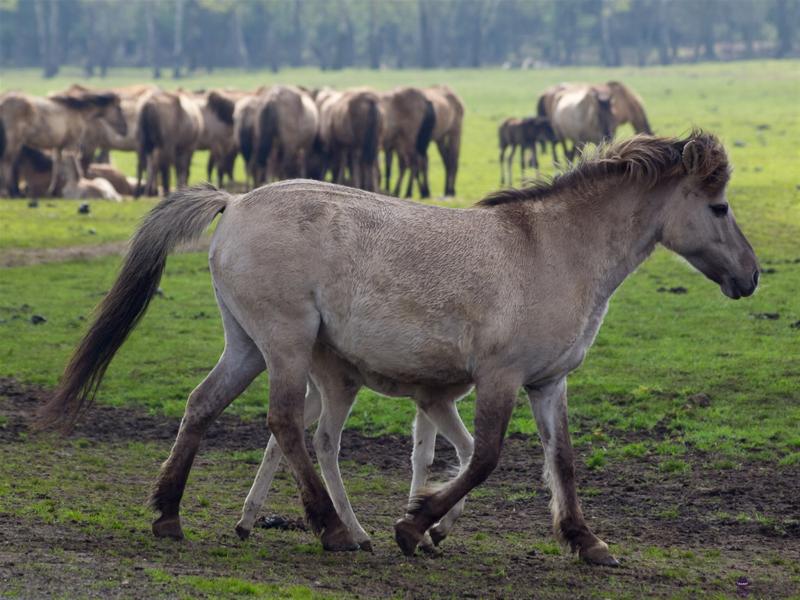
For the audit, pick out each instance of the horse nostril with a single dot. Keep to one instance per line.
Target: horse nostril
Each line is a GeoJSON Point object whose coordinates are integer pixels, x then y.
{"type": "Point", "coordinates": [755, 278]}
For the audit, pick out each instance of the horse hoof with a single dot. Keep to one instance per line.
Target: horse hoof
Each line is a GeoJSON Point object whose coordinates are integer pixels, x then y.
{"type": "Point", "coordinates": [338, 539]}
{"type": "Point", "coordinates": [168, 527]}
{"type": "Point", "coordinates": [599, 555]}
{"type": "Point", "coordinates": [366, 546]}
{"type": "Point", "coordinates": [437, 536]}
{"type": "Point", "coordinates": [428, 546]}
{"type": "Point", "coordinates": [242, 532]}
{"type": "Point", "coordinates": [406, 536]}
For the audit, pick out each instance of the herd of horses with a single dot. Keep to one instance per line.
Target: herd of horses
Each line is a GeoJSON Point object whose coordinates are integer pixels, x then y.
{"type": "Point", "coordinates": [59, 145]}
{"type": "Point", "coordinates": [280, 131]}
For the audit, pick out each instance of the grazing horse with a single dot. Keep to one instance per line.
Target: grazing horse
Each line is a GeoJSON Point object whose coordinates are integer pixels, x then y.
{"type": "Point", "coordinates": [626, 106]}
{"type": "Point", "coordinates": [99, 136]}
{"type": "Point", "coordinates": [449, 110]}
{"type": "Point", "coordinates": [169, 129]}
{"type": "Point", "coordinates": [351, 289]}
{"type": "Point", "coordinates": [286, 124]}
{"type": "Point", "coordinates": [58, 122]}
{"type": "Point", "coordinates": [582, 116]}
{"type": "Point", "coordinates": [350, 129]}
{"type": "Point", "coordinates": [409, 121]}
{"type": "Point", "coordinates": [525, 133]}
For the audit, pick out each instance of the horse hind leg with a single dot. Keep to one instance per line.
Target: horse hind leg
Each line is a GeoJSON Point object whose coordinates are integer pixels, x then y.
{"type": "Point", "coordinates": [288, 360]}
{"type": "Point", "coordinates": [239, 364]}
{"type": "Point", "coordinates": [549, 406]}
{"type": "Point", "coordinates": [269, 465]}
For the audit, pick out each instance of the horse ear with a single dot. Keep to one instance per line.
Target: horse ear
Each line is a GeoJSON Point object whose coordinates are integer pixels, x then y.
{"type": "Point", "coordinates": [692, 156]}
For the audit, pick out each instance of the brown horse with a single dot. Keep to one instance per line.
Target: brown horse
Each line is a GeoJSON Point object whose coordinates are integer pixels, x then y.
{"type": "Point", "coordinates": [245, 112]}
{"type": "Point", "coordinates": [169, 129]}
{"type": "Point", "coordinates": [409, 121]}
{"type": "Point", "coordinates": [350, 289]}
{"type": "Point", "coordinates": [625, 107]}
{"type": "Point", "coordinates": [100, 137]}
{"type": "Point", "coordinates": [449, 111]}
{"type": "Point", "coordinates": [351, 126]}
{"type": "Point", "coordinates": [216, 136]}
{"type": "Point", "coordinates": [525, 133]}
{"type": "Point", "coordinates": [286, 124]}
{"type": "Point", "coordinates": [58, 122]}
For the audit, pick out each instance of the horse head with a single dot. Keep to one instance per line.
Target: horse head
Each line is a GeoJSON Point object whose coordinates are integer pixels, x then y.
{"type": "Point", "coordinates": [699, 224]}
{"type": "Point", "coordinates": [605, 114]}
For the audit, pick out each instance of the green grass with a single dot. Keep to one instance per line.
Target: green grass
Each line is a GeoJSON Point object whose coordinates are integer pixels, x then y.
{"type": "Point", "coordinates": [654, 351]}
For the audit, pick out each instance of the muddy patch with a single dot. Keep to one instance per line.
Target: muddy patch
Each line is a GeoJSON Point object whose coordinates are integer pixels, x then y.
{"type": "Point", "coordinates": [747, 515]}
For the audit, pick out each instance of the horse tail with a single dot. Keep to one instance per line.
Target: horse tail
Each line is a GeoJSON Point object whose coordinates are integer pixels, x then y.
{"type": "Point", "coordinates": [2, 139]}
{"type": "Point", "coordinates": [541, 106]}
{"type": "Point", "coordinates": [268, 121]}
{"type": "Point", "coordinates": [246, 142]}
{"type": "Point", "coordinates": [180, 217]}
{"type": "Point", "coordinates": [372, 133]}
{"type": "Point", "coordinates": [149, 129]}
{"type": "Point", "coordinates": [425, 132]}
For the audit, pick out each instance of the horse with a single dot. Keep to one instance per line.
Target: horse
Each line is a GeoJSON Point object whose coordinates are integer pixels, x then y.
{"type": "Point", "coordinates": [525, 133]}
{"type": "Point", "coordinates": [626, 106]}
{"type": "Point", "coordinates": [287, 121]}
{"type": "Point", "coordinates": [57, 122]}
{"type": "Point", "coordinates": [35, 169]}
{"type": "Point", "coordinates": [581, 116]}
{"type": "Point", "coordinates": [351, 288]}
{"type": "Point", "coordinates": [169, 128]}
{"type": "Point", "coordinates": [350, 129]}
{"type": "Point", "coordinates": [100, 137]}
{"type": "Point", "coordinates": [244, 130]}
{"type": "Point", "coordinates": [217, 134]}
{"type": "Point", "coordinates": [408, 128]}
{"type": "Point", "coordinates": [79, 187]}
{"type": "Point", "coordinates": [449, 110]}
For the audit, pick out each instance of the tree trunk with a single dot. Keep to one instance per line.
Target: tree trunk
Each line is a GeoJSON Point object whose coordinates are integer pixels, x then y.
{"type": "Point", "coordinates": [41, 30]}
{"type": "Point", "coordinates": [238, 37]}
{"type": "Point", "coordinates": [425, 41]}
{"type": "Point", "coordinates": [153, 55]}
{"type": "Point", "coordinates": [662, 33]}
{"type": "Point", "coordinates": [177, 47]}
{"type": "Point", "coordinates": [785, 27]}
{"type": "Point", "coordinates": [373, 43]}
{"type": "Point", "coordinates": [476, 45]}
{"type": "Point", "coordinates": [708, 41]}
{"type": "Point", "coordinates": [296, 58]}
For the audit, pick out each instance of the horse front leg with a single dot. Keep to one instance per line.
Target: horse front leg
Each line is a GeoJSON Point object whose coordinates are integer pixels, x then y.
{"type": "Point", "coordinates": [51, 189]}
{"type": "Point", "coordinates": [492, 413]}
{"type": "Point", "coordinates": [549, 405]}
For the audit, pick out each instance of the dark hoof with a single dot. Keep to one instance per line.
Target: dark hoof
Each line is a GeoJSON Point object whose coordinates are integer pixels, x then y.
{"type": "Point", "coordinates": [338, 539]}
{"type": "Point", "coordinates": [406, 536]}
{"type": "Point", "coordinates": [366, 546]}
{"type": "Point", "coordinates": [437, 536]}
{"type": "Point", "coordinates": [427, 546]}
{"type": "Point", "coordinates": [168, 527]}
{"type": "Point", "coordinates": [599, 555]}
{"type": "Point", "coordinates": [242, 532]}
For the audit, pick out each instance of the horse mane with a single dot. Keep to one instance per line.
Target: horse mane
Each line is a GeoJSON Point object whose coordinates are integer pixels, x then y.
{"type": "Point", "coordinates": [645, 161]}
{"type": "Point", "coordinates": [634, 103]}
{"type": "Point", "coordinates": [85, 100]}
{"type": "Point", "coordinates": [221, 106]}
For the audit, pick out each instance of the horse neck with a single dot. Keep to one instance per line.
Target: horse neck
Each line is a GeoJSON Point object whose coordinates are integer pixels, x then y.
{"type": "Point", "coordinates": [609, 232]}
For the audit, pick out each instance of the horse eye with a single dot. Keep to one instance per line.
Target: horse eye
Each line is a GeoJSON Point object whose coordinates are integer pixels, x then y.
{"type": "Point", "coordinates": [719, 210]}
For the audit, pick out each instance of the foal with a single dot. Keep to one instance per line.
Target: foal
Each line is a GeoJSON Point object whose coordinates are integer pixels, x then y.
{"type": "Point", "coordinates": [350, 289]}
{"type": "Point", "coordinates": [525, 133]}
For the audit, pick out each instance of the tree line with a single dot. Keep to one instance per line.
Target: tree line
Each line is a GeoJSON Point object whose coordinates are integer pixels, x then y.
{"type": "Point", "coordinates": [176, 37]}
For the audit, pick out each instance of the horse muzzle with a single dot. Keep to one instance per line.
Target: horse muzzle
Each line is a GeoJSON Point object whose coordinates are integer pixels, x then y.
{"type": "Point", "coordinates": [736, 288]}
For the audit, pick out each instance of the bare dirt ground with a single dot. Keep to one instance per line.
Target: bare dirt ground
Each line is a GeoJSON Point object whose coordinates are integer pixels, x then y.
{"type": "Point", "coordinates": [701, 547]}
{"type": "Point", "coordinates": [24, 257]}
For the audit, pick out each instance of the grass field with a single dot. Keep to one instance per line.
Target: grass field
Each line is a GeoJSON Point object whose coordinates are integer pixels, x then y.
{"type": "Point", "coordinates": [691, 399]}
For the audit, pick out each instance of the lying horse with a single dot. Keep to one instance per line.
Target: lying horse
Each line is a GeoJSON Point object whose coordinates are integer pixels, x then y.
{"type": "Point", "coordinates": [422, 301]}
